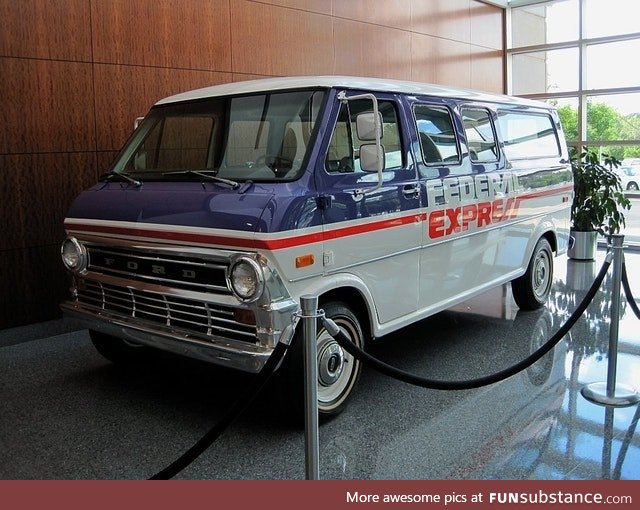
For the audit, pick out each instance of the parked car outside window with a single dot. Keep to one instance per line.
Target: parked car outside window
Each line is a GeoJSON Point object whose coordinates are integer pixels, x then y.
{"type": "Point", "coordinates": [629, 177]}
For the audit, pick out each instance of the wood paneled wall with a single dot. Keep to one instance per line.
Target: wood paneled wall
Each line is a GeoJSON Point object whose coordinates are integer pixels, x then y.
{"type": "Point", "coordinates": [75, 74]}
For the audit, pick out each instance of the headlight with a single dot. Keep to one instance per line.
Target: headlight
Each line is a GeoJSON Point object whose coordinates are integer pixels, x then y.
{"type": "Point", "coordinates": [246, 279]}
{"type": "Point", "coordinates": [74, 255]}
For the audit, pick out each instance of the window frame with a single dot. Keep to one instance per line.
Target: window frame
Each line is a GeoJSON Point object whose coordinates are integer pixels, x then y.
{"type": "Point", "coordinates": [397, 108]}
{"type": "Point", "coordinates": [455, 132]}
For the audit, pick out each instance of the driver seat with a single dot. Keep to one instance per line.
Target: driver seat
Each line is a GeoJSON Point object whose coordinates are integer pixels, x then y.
{"type": "Point", "coordinates": [289, 145]}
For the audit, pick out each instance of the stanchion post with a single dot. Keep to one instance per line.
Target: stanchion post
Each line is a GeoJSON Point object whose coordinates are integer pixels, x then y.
{"type": "Point", "coordinates": [309, 306]}
{"type": "Point", "coordinates": [611, 393]}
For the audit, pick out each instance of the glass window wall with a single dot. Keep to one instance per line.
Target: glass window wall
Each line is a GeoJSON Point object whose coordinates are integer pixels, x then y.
{"type": "Point", "coordinates": [580, 56]}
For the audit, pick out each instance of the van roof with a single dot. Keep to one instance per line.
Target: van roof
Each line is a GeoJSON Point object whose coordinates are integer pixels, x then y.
{"type": "Point", "coordinates": [350, 82]}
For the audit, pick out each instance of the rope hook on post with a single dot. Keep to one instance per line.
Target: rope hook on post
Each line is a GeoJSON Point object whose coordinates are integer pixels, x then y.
{"type": "Point", "coordinates": [610, 392]}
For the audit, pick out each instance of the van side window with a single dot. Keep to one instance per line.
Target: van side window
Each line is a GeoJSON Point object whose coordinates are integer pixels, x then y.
{"type": "Point", "coordinates": [436, 134]}
{"type": "Point", "coordinates": [480, 135]}
{"type": "Point", "coordinates": [528, 135]}
{"type": "Point", "coordinates": [344, 148]}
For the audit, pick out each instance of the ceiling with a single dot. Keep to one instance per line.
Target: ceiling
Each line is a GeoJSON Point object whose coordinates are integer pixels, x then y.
{"type": "Point", "coordinates": [513, 3]}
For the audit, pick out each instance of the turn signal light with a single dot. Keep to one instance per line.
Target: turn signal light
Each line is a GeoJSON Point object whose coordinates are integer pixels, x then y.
{"type": "Point", "coordinates": [304, 260]}
{"type": "Point", "coordinates": [244, 316]}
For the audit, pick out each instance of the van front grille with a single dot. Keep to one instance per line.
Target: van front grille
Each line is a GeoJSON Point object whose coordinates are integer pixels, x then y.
{"type": "Point", "coordinates": [178, 271]}
{"type": "Point", "coordinates": [176, 312]}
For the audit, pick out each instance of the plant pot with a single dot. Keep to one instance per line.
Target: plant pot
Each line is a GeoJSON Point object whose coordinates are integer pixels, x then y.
{"type": "Point", "coordinates": [584, 245]}
{"type": "Point", "coordinates": [581, 274]}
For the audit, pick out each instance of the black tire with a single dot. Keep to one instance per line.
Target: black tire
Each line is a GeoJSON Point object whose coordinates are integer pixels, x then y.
{"type": "Point", "coordinates": [117, 350]}
{"type": "Point", "coordinates": [632, 186]}
{"type": "Point", "coordinates": [338, 371]}
{"type": "Point", "coordinates": [531, 290]}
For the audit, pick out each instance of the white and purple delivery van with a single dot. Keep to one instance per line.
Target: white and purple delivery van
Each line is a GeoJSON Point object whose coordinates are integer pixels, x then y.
{"type": "Point", "coordinates": [389, 200]}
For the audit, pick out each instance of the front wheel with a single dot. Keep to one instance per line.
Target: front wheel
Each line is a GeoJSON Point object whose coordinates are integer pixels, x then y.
{"type": "Point", "coordinates": [531, 290]}
{"type": "Point", "coordinates": [632, 186]}
{"type": "Point", "coordinates": [338, 371]}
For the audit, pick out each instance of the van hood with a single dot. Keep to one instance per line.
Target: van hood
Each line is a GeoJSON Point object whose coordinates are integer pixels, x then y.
{"type": "Point", "coordinates": [178, 204]}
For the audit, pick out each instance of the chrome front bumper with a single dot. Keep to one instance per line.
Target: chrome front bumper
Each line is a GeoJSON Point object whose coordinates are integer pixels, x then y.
{"type": "Point", "coordinates": [217, 350]}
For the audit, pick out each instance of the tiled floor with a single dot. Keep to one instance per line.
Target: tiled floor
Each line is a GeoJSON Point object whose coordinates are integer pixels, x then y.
{"type": "Point", "coordinates": [67, 413]}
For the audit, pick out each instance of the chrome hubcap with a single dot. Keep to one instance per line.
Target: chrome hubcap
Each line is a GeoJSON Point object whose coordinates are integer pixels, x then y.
{"type": "Point", "coordinates": [541, 275]}
{"type": "Point", "coordinates": [330, 363]}
{"type": "Point", "coordinates": [337, 369]}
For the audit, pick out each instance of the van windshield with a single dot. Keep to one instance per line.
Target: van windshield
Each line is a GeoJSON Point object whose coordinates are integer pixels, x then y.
{"type": "Point", "coordinates": [258, 137]}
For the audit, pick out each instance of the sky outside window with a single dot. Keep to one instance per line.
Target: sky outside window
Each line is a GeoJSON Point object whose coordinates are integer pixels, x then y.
{"type": "Point", "coordinates": [611, 17]}
{"type": "Point", "coordinates": [541, 72]}
{"type": "Point", "coordinates": [613, 65]}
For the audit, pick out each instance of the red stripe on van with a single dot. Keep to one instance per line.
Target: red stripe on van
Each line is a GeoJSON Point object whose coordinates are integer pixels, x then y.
{"type": "Point", "coordinates": [239, 242]}
{"type": "Point", "coordinates": [274, 244]}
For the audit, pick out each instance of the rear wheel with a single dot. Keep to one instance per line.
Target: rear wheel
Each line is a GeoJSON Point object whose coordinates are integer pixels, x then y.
{"type": "Point", "coordinates": [338, 371]}
{"type": "Point", "coordinates": [531, 290]}
{"type": "Point", "coordinates": [632, 186]}
{"type": "Point", "coordinates": [117, 350]}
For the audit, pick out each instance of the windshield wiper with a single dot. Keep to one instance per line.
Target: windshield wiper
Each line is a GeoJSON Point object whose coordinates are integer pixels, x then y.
{"type": "Point", "coordinates": [125, 176]}
{"type": "Point", "coordinates": [205, 174]}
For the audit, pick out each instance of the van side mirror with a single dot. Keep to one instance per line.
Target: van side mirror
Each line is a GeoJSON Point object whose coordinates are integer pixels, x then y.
{"type": "Point", "coordinates": [371, 157]}
{"type": "Point", "coordinates": [367, 128]}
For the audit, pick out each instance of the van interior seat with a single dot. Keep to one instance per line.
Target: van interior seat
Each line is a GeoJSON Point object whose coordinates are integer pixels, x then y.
{"type": "Point", "coordinates": [430, 152]}
{"type": "Point", "coordinates": [289, 145]}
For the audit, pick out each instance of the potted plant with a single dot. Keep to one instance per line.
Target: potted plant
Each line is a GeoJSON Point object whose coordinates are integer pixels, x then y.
{"type": "Point", "coordinates": [597, 202]}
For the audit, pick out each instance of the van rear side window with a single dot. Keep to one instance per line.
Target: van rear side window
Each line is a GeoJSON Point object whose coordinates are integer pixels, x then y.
{"type": "Point", "coordinates": [480, 136]}
{"type": "Point", "coordinates": [528, 135]}
{"type": "Point", "coordinates": [437, 136]}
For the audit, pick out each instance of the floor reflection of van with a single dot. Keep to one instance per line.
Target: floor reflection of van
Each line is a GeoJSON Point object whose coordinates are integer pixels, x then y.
{"type": "Point", "coordinates": [507, 430]}
{"type": "Point", "coordinates": [389, 200]}
{"type": "Point", "coordinates": [523, 412]}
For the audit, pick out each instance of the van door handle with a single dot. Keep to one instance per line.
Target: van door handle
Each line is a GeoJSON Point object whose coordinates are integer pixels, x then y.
{"type": "Point", "coordinates": [411, 190]}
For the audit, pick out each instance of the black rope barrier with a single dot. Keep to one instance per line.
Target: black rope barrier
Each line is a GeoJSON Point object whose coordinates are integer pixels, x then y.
{"type": "Point", "coordinates": [280, 351]}
{"type": "Point", "coordinates": [415, 380]}
{"type": "Point", "coordinates": [627, 291]}
{"type": "Point", "coordinates": [238, 408]}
